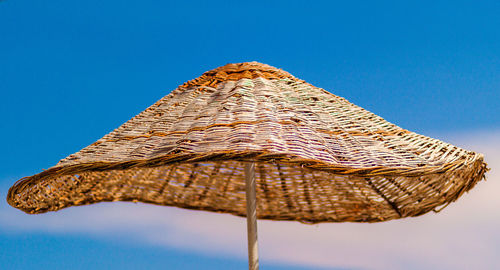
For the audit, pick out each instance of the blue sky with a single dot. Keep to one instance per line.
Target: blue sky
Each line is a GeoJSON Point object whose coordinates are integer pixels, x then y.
{"type": "Point", "coordinates": [72, 71]}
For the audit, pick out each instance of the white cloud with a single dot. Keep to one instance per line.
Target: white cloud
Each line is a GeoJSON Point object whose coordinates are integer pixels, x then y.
{"type": "Point", "coordinates": [463, 236]}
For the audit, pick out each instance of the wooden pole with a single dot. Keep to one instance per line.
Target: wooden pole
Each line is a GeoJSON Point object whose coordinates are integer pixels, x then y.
{"type": "Point", "coordinates": [253, 251]}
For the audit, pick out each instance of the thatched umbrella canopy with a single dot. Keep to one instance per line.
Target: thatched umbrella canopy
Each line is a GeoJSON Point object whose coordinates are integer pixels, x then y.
{"type": "Point", "coordinates": [318, 158]}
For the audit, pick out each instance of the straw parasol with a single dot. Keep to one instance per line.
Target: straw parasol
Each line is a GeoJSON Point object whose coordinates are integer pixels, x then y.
{"type": "Point", "coordinates": [250, 136]}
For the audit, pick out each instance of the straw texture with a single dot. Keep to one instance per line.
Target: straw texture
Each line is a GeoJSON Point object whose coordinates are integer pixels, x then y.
{"type": "Point", "coordinates": [318, 158]}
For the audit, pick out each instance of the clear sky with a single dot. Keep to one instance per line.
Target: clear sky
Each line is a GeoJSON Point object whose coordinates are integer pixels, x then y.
{"type": "Point", "coordinates": [72, 71]}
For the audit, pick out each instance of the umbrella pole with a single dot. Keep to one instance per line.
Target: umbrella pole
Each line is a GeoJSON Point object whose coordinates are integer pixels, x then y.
{"type": "Point", "coordinates": [253, 252]}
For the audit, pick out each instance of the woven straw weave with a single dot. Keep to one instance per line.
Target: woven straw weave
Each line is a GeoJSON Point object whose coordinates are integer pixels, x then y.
{"type": "Point", "coordinates": [318, 157]}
